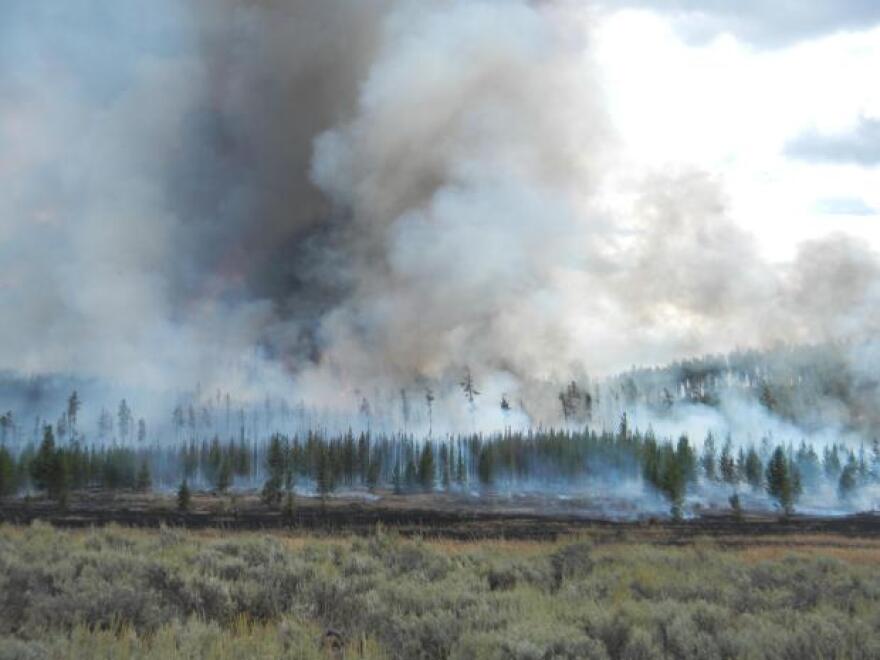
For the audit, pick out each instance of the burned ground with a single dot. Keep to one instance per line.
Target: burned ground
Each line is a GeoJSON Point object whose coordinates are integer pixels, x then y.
{"type": "Point", "coordinates": [438, 516]}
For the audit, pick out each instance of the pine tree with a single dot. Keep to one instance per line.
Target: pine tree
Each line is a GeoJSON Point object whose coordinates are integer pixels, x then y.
{"type": "Point", "coordinates": [753, 469]}
{"type": "Point", "coordinates": [848, 479]}
{"type": "Point", "coordinates": [373, 473]}
{"type": "Point", "coordinates": [397, 479]}
{"type": "Point", "coordinates": [461, 476]}
{"type": "Point", "coordinates": [707, 460]}
{"type": "Point", "coordinates": [7, 473]}
{"type": "Point", "coordinates": [48, 469]}
{"type": "Point", "coordinates": [726, 464]}
{"type": "Point", "coordinates": [73, 406]}
{"type": "Point", "coordinates": [224, 476]}
{"type": "Point", "coordinates": [7, 426]}
{"type": "Point", "coordinates": [105, 424]}
{"type": "Point", "coordinates": [184, 497]}
{"type": "Point", "coordinates": [429, 401]}
{"type": "Point", "coordinates": [144, 481]}
{"type": "Point", "coordinates": [688, 460]}
{"type": "Point", "coordinates": [831, 462]}
{"type": "Point", "coordinates": [275, 466]}
{"type": "Point", "coordinates": [486, 465]}
{"type": "Point", "coordinates": [124, 415]}
{"type": "Point", "coordinates": [426, 467]}
{"type": "Point", "coordinates": [325, 477]}
{"type": "Point", "coordinates": [781, 485]}
{"type": "Point", "coordinates": [470, 392]}
{"type": "Point", "coordinates": [674, 468]}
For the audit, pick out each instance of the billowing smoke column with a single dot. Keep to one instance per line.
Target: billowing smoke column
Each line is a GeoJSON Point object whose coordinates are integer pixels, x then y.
{"type": "Point", "coordinates": [334, 199]}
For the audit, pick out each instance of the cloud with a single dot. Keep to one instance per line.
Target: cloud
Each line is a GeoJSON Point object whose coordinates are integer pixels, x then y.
{"type": "Point", "coordinates": [845, 206]}
{"type": "Point", "coordinates": [861, 146]}
{"type": "Point", "coordinates": [765, 24]}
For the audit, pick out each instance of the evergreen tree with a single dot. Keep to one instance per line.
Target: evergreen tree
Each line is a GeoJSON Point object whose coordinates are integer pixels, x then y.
{"type": "Point", "coordinates": [224, 476]}
{"type": "Point", "coordinates": [426, 467]}
{"type": "Point", "coordinates": [831, 462]}
{"type": "Point", "coordinates": [61, 427]}
{"type": "Point", "coordinates": [144, 481]}
{"type": "Point", "coordinates": [674, 468]}
{"type": "Point", "coordinates": [708, 459]}
{"type": "Point", "coordinates": [276, 460]}
{"type": "Point", "coordinates": [48, 470]}
{"type": "Point", "coordinates": [486, 465]}
{"type": "Point", "coordinates": [848, 481]}
{"type": "Point", "coordinates": [124, 416]}
{"type": "Point", "coordinates": [505, 406]}
{"type": "Point", "coordinates": [275, 466]}
{"type": "Point", "coordinates": [105, 424]}
{"type": "Point", "coordinates": [325, 480]}
{"type": "Point", "coordinates": [781, 483]}
{"type": "Point", "coordinates": [429, 401]}
{"type": "Point", "coordinates": [688, 460]}
{"type": "Point", "coordinates": [373, 473]}
{"type": "Point", "coordinates": [184, 497]}
{"type": "Point", "coordinates": [446, 467]}
{"type": "Point", "coordinates": [242, 459]}
{"type": "Point", "coordinates": [73, 406]}
{"type": "Point", "coordinates": [726, 464]}
{"type": "Point", "coordinates": [213, 461]}
{"type": "Point", "coordinates": [7, 426]}
{"type": "Point", "coordinates": [875, 459]}
{"type": "Point", "coordinates": [410, 473]}
{"type": "Point", "coordinates": [460, 469]}
{"type": "Point", "coordinates": [8, 480]}
{"type": "Point", "coordinates": [397, 479]}
{"type": "Point", "coordinates": [470, 392]}
{"type": "Point", "coordinates": [753, 469]}
{"type": "Point", "coordinates": [808, 465]}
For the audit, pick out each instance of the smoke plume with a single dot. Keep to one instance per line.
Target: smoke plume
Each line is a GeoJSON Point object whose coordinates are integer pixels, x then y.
{"type": "Point", "coordinates": [332, 197]}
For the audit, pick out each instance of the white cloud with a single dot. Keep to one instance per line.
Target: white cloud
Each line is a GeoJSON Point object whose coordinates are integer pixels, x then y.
{"type": "Point", "coordinates": [731, 109]}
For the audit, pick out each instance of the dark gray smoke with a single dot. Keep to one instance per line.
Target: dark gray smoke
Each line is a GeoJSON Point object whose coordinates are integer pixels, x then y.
{"type": "Point", "coordinates": [337, 197]}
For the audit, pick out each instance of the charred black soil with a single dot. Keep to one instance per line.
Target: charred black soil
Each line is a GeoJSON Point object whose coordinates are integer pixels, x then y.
{"type": "Point", "coordinates": [421, 515]}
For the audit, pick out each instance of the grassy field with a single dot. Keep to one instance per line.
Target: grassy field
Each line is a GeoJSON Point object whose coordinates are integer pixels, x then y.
{"type": "Point", "coordinates": [168, 593]}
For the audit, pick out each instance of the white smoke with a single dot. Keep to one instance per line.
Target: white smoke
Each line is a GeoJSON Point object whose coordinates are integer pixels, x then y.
{"type": "Point", "coordinates": [335, 200]}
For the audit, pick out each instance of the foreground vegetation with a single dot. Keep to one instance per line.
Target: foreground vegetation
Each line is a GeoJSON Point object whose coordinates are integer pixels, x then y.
{"type": "Point", "coordinates": [173, 594]}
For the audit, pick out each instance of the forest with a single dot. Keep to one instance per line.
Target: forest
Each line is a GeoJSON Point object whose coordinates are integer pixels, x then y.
{"type": "Point", "coordinates": [552, 460]}
{"type": "Point", "coordinates": [213, 444]}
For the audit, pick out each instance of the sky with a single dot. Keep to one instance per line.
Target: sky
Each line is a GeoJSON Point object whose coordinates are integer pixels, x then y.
{"type": "Point", "coordinates": [779, 101]}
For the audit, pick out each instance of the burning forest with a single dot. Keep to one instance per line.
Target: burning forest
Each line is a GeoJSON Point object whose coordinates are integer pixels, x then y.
{"type": "Point", "coordinates": [744, 431]}
{"type": "Point", "coordinates": [495, 269]}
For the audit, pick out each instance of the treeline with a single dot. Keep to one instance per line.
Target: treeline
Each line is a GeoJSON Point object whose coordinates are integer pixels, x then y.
{"type": "Point", "coordinates": [554, 458]}
{"type": "Point", "coordinates": [812, 386]}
